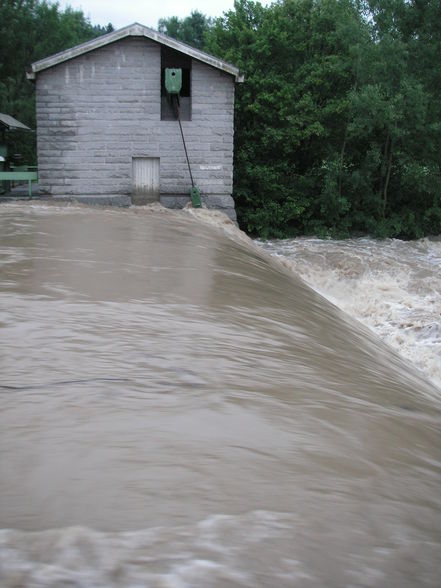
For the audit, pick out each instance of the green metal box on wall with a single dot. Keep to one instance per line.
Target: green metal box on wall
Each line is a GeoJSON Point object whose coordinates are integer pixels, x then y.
{"type": "Point", "coordinates": [173, 80]}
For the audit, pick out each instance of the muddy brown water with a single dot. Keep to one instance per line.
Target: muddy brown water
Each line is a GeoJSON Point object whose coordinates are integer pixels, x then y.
{"type": "Point", "coordinates": [178, 409]}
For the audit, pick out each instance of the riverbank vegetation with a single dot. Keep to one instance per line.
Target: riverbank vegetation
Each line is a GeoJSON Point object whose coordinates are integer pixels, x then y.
{"type": "Point", "coordinates": [31, 30]}
{"type": "Point", "coordinates": [338, 125]}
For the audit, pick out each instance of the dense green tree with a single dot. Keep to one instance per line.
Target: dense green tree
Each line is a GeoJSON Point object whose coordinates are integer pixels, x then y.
{"type": "Point", "coordinates": [394, 138]}
{"type": "Point", "coordinates": [31, 30]}
{"type": "Point", "coordinates": [192, 30]}
{"type": "Point", "coordinates": [337, 125]}
{"type": "Point", "coordinates": [298, 59]}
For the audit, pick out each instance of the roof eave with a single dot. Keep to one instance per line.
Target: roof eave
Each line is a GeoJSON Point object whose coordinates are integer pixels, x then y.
{"type": "Point", "coordinates": [133, 30]}
{"type": "Point", "coordinates": [10, 123]}
{"type": "Point", "coordinates": [76, 51]}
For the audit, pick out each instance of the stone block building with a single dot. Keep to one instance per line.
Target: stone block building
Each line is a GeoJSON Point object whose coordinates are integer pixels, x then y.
{"type": "Point", "coordinates": [105, 126]}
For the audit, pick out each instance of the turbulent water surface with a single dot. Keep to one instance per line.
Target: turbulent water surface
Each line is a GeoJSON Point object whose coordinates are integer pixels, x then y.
{"type": "Point", "coordinates": [392, 286]}
{"type": "Point", "coordinates": [179, 409]}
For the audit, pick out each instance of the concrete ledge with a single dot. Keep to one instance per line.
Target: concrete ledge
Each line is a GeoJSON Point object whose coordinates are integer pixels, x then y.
{"type": "Point", "coordinates": [218, 201]}
{"type": "Point", "coordinates": [175, 201]}
{"type": "Point", "coordinates": [96, 200]}
{"type": "Point", "coordinates": [222, 202]}
{"type": "Point", "coordinates": [230, 212]}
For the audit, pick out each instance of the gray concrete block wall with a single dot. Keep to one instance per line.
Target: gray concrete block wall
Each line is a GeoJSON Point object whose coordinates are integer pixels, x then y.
{"type": "Point", "coordinates": [97, 111]}
{"type": "Point", "coordinates": [209, 136]}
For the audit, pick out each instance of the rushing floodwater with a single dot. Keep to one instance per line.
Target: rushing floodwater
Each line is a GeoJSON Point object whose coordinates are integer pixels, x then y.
{"type": "Point", "coordinates": [394, 287]}
{"type": "Point", "coordinates": [177, 409]}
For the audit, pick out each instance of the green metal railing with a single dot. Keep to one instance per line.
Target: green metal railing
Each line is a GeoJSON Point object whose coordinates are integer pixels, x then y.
{"type": "Point", "coordinates": [19, 173]}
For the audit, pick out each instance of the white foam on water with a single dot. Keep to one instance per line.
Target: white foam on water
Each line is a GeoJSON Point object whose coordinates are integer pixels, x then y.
{"type": "Point", "coordinates": [392, 286]}
{"type": "Point", "coordinates": [214, 552]}
{"type": "Point", "coordinates": [248, 550]}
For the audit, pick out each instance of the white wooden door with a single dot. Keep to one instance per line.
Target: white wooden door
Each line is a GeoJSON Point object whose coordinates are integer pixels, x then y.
{"type": "Point", "coordinates": [145, 179]}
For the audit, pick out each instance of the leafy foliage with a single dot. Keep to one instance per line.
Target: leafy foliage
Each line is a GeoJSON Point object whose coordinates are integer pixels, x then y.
{"type": "Point", "coordinates": [337, 124]}
{"type": "Point", "coordinates": [191, 30]}
{"type": "Point", "coordinates": [31, 30]}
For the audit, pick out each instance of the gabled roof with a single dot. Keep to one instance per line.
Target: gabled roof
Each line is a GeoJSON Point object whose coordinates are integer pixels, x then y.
{"type": "Point", "coordinates": [11, 123]}
{"type": "Point", "coordinates": [133, 30]}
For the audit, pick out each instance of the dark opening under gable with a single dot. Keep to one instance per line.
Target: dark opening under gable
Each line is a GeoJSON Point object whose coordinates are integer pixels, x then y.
{"type": "Point", "coordinates": [175, 59]}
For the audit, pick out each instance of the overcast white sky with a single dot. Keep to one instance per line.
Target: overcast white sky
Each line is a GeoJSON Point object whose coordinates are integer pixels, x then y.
{"type": "Point", "coordinates": [147, 12]}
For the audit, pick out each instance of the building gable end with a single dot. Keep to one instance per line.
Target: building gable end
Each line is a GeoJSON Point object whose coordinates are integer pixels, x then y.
{"type": "Point", "coordinates": [134, 30]}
